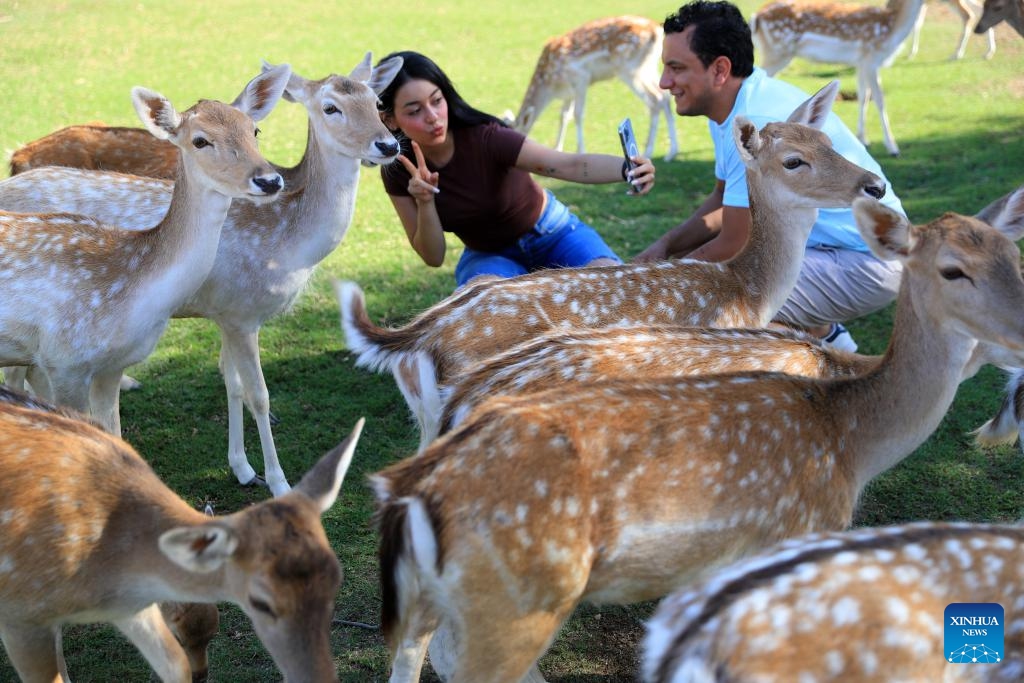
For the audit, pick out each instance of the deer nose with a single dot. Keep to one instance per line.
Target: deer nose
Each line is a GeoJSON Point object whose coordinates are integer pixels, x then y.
{"type": "Point", "coordinates": [876, 191]}
{"type": "Point", "coordinates": [270, 185]}
{"type": "Point", "coordinates": [388, 149]}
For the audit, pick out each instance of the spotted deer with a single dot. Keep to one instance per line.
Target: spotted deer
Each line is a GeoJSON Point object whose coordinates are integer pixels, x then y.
{"type": "Point", "coordinates": [74, 497]}
{"type": "Point", "coordinates": [866, 37]}
{"type": "Point", "coordinates": [791, 171]}
{"type": "Point", "coordinates": [85, 299]}
{"type": "Point", "coordinates": [99, 147]}
{"type": "Point", "coordinates": [267, 254]}
{"type": "Point", "coordinates": [970, 13]}
{"type": "Point", "coordinates": [584, 355]}
{"type": "Point", "coordinates": [996, 11]}
{"type": "Point", "coordinates": [624, 490]}
{"type": "Point", "coordinates": [625, 47]}
{"type": "Point", "coordinates": [857, 607]}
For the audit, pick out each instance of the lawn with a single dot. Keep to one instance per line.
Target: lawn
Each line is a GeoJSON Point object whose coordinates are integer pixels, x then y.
{"type": "Point", "coordinates": [959, 126]}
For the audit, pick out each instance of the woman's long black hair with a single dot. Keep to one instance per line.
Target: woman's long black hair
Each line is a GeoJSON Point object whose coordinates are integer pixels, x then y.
{"type": "Point", "coordinates": [419, 67]}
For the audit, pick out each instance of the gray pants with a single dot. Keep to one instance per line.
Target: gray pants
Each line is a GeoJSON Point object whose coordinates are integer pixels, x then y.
{"type": "Point", "coordinates": [837, 285]}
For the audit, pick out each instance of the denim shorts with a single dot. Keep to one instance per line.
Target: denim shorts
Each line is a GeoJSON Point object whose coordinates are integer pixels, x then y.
{"type": "Point", "coordinates": [558, 240]}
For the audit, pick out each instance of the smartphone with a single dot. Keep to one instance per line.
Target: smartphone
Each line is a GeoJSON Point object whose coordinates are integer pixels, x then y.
{"type": "Point", "coordinates": [629, 148]}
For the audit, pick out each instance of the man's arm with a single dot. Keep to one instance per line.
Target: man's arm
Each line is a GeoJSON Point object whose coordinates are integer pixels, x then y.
{"type": "Point", "coordinates": [713, 233]}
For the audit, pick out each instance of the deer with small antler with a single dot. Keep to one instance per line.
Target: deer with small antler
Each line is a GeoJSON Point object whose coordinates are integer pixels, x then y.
{"type": "Point", "coordinates": [857, 607]}
{"type": "Point", "coordinates": [626, 47]}
{"type": "Point", "coordinates": [84, 300]}
{"type": "Point", "coordinates": [624, 490]}
{"type": "Point", "coordinates": [792, 170]}
{"type": "Point", "coordinates": [266, 254]}
{"type": "Point", "coordinates": [89, 533]}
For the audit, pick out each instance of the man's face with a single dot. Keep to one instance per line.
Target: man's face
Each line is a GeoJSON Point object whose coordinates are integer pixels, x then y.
{"type": "Point", "coordinates": [685, 76]}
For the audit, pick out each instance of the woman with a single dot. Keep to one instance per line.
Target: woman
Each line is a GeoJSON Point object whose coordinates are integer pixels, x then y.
{"type": "Point", "coordinates": [472, 177]}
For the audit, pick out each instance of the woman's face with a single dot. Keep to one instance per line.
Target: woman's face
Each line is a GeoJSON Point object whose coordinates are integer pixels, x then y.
{"type": "Point", "coordinates": [421, 112]}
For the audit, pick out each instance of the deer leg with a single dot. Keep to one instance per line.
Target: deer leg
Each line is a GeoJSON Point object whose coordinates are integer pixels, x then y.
{"type": "Point", "coordinates": [243, 378]}
{"type": "Point", "coordinates": [969, 21]}
{"type": "Point", "coordinates": [874, 86]}
{"type": "Point", "coordinates": [34, 652]}
{"type": "Point", "coordinates": [510, 653]}
{"type": "Point", "coordinates": [148, 631]}
{"type": "Point", "coordinates": [916, 31]}
{"type": "Point", "coordinates": [670, 124]}
{"type": "Point", "coordinates": [579, 104]}
{"type": "Point", "coordinates": [564, 117]}
{"type": "Point", "coordinates": [105, 400]}
{"type": "Point", "coordinates": [194, 624]}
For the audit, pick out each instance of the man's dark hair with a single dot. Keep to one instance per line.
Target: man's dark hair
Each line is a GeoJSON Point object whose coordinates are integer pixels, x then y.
{"type": "Point", "coordinates": [719, 31]}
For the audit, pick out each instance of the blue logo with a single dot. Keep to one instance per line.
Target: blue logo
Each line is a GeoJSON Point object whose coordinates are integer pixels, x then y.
{"type": "Point", "coordinates": [973, 633]}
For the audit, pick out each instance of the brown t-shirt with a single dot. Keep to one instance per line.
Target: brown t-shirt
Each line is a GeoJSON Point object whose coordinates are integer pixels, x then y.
{"type": "Point", "coordinates": [483, 198]}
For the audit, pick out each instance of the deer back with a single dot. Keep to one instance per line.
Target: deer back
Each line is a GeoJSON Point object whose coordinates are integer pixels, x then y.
{"type": "Point", "coordinates": [95, 147]}
{"type": "Point", "coordinates": [861, 606]}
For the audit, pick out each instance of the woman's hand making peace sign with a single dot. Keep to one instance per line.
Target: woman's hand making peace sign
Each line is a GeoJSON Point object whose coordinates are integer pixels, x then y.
{"type": "Point", "coordinates": [423, 181]}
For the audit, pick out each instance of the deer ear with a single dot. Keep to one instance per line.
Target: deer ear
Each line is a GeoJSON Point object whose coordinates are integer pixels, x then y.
{"type": "Point", "coordinates": [295, 82]}
{"type": "Point", "coordinates": [888, 233]}
{"type": "Point", "coordinates": [748, 142]}
{"type": "Point", "coordinates": [201, 548]}
{"type": "Point", "coordinates": [156, 112]}
{"type": "Point", "coordinates": [322, 483]}
{"type": "Point", "coordinates": [816, 109]}
{"type": "Point", "coordinates": [363, 69]}
{"type": "Point", "coordinates": [384, 73]}
{"type": "Point", "coordinates": [1006, 214]}
{"type": "Point", "coordinates": [260, 94]}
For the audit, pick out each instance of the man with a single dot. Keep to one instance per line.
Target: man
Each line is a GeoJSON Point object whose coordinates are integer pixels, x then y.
{"type": "Point", "coordinates": [708, 58]}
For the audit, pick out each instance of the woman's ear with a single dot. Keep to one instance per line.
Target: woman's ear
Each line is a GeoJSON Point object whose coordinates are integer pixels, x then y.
{"type": "Point", "coordinates": [389, 121]}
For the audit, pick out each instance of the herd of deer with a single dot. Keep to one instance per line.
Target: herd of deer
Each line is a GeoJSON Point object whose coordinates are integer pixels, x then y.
{"type": "Point", "coordinates": [680, 435]}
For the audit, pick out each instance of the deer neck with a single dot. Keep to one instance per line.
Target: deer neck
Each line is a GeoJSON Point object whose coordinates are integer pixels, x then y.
{"type": "Point", "coordinates": [904, 14]}
{"type": "Point", "coordinates": [769, 264]}
{"type": "Point", "coordinates": [185, 241]}
{"type": "Point", "coordinates": [319, 198]}
{"type": "Point", "coordinates": [892, 410]}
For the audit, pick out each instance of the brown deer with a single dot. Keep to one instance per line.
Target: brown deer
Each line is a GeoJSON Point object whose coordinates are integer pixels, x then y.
{"type": "Point", "coordinates": [866, 37]}
{"type": "Point", "coordinates": [85, 300]}
{"type": "Point", "coordinates": [622, 491]}
{"type": "Point", "coordinates": [791, 171]}
{"type": "Point", "coordinates": [996, 11]}
{"type": "Point", "coordinates": [626, 47]}
{"type": "Point", "coordinates": [858, 607]}
{"type": "Point", "coordinates": [99, 147]}
{"type": "Point", "coordinates": [91, 534]}
{"type": "Point", "coordinates": [584, 355]}
{"type": "Point", "coordinates": [970, 13]}
{"type": "Point", "coordinates": [266, 254]}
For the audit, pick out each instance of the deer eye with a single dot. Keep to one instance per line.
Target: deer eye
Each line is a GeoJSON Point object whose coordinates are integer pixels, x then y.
{"type": "Point", "coordinates": [330, 109]}
{"type": "Point", "coordinates": [790, 164]}
{"type": "Point", "coordinates": [953, 273]}
{"type": "Point", "coordinates": [261, 606]}
{"type": "Point", "coordinates": [199, 142]}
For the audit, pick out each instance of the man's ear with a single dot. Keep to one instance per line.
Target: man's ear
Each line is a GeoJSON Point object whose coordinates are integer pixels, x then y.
{"type": "Point", "coordinates": [721, 69]}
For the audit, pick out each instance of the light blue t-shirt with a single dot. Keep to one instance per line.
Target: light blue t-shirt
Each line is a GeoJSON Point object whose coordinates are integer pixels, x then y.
{"type": "Point", "coordinates": [763, 99]}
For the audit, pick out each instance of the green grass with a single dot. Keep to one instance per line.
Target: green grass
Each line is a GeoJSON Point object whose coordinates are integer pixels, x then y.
{"type": "Point", "coordinates": [959, 125]}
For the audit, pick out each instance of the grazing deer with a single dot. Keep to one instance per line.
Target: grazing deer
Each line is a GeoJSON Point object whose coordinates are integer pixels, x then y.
{"type": "Point", "coordinates": [995, 11]}
{"type": "Point", "coordinates": [791, 171]}
{"type": "Point", "coordinates": [267, 253]}
{"type": "Point", "coordinates": [585, 355]}
{"type": "Point", "coordinates": [98, 147]}
{"type": "Point", "coordinates": [626, 47]}
{"type": "Point", "coordinates": [969, 12]}
{"type": "Point", "coordinates": [85, 300]}
{"type": "Point", "coordinates": [858, 607]}
{"type": "Point", "coordinates": [863, 36]}
{"type": "Point", "coordinates": [622, 491]}
{"type": "Point", "coordinates": [91, 534]}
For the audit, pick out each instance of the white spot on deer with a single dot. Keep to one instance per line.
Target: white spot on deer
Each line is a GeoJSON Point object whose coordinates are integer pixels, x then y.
{"type": "Point", "coordinates": [845, 611]}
